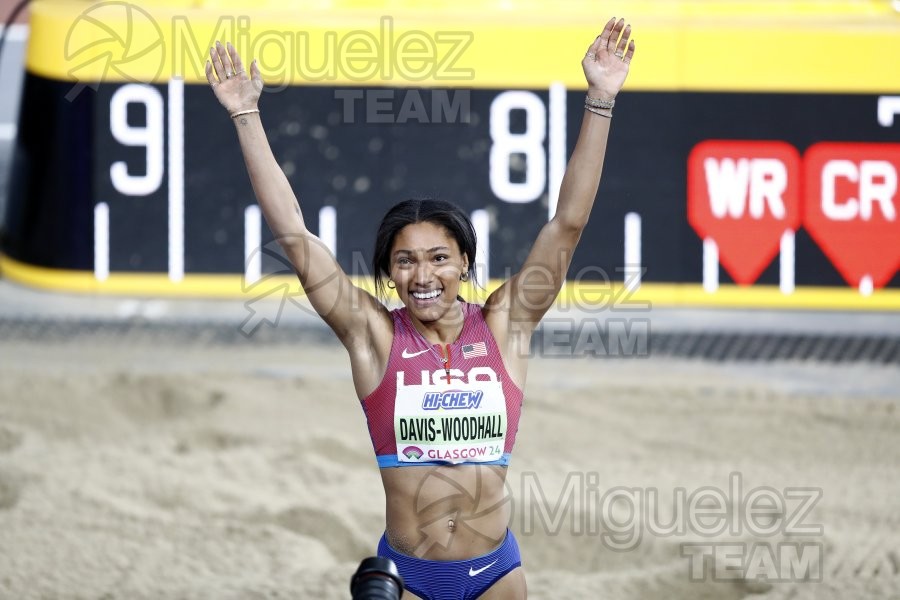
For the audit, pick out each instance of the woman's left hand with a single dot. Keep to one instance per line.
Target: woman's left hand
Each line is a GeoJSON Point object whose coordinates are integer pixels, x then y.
{"type": "Point", "coordinates": [606, 62]}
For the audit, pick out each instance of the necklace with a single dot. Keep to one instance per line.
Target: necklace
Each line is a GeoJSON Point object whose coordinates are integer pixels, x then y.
{"type": "Point", "coordinates": [444, 358]}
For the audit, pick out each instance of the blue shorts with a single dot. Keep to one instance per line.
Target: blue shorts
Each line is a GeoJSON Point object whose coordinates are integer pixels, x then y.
{"type": "Point", "coordinates": [454, 579]}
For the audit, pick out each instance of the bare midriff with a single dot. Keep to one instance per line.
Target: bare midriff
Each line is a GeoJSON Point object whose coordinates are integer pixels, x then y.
{"type": "Point", "coordinates": [452, 512]}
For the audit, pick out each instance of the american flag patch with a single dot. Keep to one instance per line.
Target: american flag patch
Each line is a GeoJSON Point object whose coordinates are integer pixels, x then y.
{"type": "Point", "coordinates": [473, 350]}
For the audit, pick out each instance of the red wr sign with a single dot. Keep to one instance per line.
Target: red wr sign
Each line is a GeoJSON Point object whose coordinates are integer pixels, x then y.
{"type": "Point", "coordinates": [744, 195]}
{"type": "Point", "coordinates": [851, 208]}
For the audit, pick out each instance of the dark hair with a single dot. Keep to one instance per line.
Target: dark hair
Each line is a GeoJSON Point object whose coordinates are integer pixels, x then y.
{"type": "Point", "coordinates": [421, 210]}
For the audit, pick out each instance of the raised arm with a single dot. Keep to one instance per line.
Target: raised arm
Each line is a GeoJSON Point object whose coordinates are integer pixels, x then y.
{"type": "Point", "coordinates": [344, 307]}
{"type": "Point", "coordinates": [526, 296]}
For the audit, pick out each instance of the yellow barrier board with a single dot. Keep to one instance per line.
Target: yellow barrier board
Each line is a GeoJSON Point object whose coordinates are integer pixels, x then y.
{"type": "Point", "coordinates": [590, 295]}
{"type": "Point", "coordinates": [699, 45]}
{"type": "Point", "coordinates": [794, 75]}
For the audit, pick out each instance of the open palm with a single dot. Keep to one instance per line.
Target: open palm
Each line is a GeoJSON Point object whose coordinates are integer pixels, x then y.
{"type": "Point", "coordinates": [607, 61]}
{"type": "Point", "coordinates": [229, 81]}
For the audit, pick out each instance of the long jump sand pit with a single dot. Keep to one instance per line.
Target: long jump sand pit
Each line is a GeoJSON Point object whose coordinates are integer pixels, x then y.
{"type": "Point", "coordinates": [153, 468]}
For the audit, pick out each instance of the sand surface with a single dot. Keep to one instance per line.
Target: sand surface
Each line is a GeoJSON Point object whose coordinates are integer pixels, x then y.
{"type": "Point", "coordinates": [141, 469]}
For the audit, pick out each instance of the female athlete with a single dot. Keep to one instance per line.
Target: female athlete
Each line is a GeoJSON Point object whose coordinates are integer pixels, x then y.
{"type": "Point", "coordinates": [440, 380]}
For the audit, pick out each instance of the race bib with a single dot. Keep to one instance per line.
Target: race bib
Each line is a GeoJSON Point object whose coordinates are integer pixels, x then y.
{"type": "Point", "coordinates": [455, 423]}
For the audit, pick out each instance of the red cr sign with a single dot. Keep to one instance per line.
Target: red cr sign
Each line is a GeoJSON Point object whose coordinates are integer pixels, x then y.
{"type": "Point", "coordinates": [745, 194]}
{"type": "Point", "coordinates": [851, 208]}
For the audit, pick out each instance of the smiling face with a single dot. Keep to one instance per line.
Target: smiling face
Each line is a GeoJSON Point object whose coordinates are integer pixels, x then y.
{"type": "Point", "coordinates": [426, 265]}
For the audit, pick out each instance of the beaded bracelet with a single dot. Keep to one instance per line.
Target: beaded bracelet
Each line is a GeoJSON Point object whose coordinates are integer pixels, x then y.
{"type": "Point", "coordinates": [598, 103]}
{"type": "Point", "coordinates": [598, 111]}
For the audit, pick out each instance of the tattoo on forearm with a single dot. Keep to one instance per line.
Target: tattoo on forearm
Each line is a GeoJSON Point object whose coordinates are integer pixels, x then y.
{"type": "Point", "coordinates": [243, 120]}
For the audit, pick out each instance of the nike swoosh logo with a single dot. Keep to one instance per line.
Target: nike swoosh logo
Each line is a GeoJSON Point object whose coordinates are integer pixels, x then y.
{"type": "Point", "coordinates": [474, 572]}
{"type": "Point", "coordinates": [408, 354]}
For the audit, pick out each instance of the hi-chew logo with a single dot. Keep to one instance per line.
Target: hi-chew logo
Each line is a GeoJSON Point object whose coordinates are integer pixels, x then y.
{"type": "Point", "coordinates": [452, 399]}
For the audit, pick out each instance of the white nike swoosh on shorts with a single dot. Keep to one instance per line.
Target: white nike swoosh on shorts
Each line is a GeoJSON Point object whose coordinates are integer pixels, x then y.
{"type": "Point", "coordinates": [474, 572]}
{"type": "Point", "coordinates": [408, 354]}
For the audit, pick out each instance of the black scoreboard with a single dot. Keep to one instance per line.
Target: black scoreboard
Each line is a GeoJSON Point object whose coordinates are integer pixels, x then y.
{"type": "Point", "coordinates": [128, 176]}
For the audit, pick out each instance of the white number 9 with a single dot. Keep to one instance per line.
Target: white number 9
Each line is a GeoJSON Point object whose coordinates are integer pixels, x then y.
{"type": "Point", "coordinates": [151, 136]}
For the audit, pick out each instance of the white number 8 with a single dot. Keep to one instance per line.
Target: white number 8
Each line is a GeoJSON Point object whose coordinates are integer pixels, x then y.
{"type": "Point", "coordinates": [530, 143]}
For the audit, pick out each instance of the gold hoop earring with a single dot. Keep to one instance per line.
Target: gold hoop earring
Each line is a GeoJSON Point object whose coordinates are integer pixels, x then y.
{"type": "Point", "coordinates": [390, 286]}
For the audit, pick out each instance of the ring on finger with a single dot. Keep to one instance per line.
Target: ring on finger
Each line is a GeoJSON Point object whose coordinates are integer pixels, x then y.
{"type": "Point", "coordinates": [620, 54]}
{"type": "Point", "coordinates": [591, 56]}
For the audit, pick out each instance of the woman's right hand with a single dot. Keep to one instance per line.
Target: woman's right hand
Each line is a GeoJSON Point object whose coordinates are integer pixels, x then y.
{"type": "Point", "coordinates": [229, 81]}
